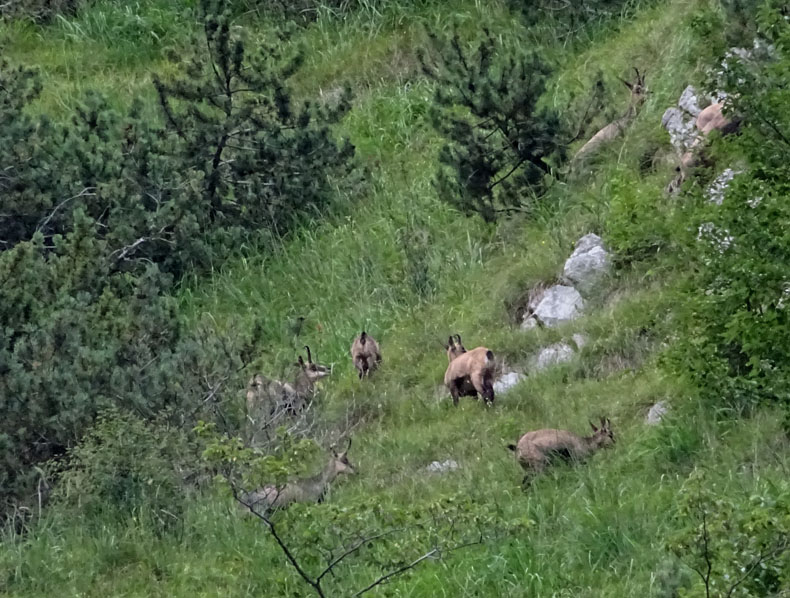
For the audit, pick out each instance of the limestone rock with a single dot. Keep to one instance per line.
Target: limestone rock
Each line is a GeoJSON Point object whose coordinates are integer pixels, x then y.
{"type": "Point", "coordinates": [529, 323]}
{"type": "Point", "coordinates": [657, 413]}
{"type": "Point", "coordinates": [588, 263]}
{"type": "Point", "coordinates": [560, 304]}
{"type": "Point", "coordinates": [681, 127]}
{"type": "Point", "coordinates": [553, 355]}
{"type": "Point", "coordinates": [443, 466]}
{"type": "Point", "coordinates": [507, 381]}
{"type": "Point", "coordinates": [717, 189]}
{"type": "Point", "coordinates": [689, 101]}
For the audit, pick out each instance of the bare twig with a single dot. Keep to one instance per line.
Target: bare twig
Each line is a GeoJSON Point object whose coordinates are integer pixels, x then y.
{"type": "Point", "coordinates": [87, 191]}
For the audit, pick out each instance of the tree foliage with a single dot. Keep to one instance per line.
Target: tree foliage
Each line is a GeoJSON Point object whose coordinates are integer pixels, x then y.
{"type": "Point", "coordinates": [264, 158]}
{"type": "Point", "coordinates": [501, 144]}
{"type": "Point", "coordinates": [104, 213]}
{"type": "Point", "coordinates": [738, 545]}
{"type": "Point", "coordinates": [736, 319]}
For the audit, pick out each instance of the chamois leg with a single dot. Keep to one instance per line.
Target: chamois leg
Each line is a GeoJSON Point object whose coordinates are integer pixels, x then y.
{"type": "Point", "coordinates": [484, 387]}
{"type": "Point", "coordinates": [454, 392]}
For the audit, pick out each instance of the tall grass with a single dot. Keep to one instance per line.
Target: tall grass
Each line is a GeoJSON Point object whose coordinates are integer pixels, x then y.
{"type": "Point", "coordinates": [410, 271]}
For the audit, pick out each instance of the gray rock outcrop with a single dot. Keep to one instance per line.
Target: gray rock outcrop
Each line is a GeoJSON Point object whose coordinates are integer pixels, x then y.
{"type": "Point", "coordinates": [553, 355]}
{"type": "Point", "coordinates": [443, 466]}
{"type": "Point", "coordinates": [588, 264]}
{"type": "Point", "coordinates": [507, 381]}
{"type": "Point", "coordinates": [657, 413]}
{"type": "Point", "coordinates": [559, 304]}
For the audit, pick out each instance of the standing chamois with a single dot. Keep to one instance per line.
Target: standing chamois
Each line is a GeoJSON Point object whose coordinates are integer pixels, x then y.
{"type": "Point", "coordinates": [310, 489]}
{"type": "Point", "coordinates": [535, 450]}
{"type": "Point", "coordinates": [366, 354]}
{"type": "Point", "coordinates": [617, 126]}
{"type": "Point", "coordinates": [470, 372]}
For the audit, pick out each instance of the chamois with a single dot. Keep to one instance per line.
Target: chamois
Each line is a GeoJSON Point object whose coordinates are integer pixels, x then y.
{"type": "Point", "coordinates": [310, 489]}
{"type": "Point", "coordinates": [710, 119]}
{"type": "Point", "coordinates": [365, 353]}
{"type": "Point", "coordinates": [617, 126]}
{"type": "Point", "coordinates": [269, 399]}
{"type": "Point", "coordinates": [535, 450]}
{"type": "Point", "coordinates": [469, 373]}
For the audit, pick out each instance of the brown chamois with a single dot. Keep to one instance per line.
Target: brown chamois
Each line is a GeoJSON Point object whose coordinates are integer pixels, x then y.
{"type": "Point", "coordinates": [366, 354]}
{"type": "Point", "coordinates": [710, 119]}
{"type": "Point", "coordinates": [268, 400]}
{"type": "Point", "coordinates": [470, 372]}
{"type": "Point", "coordinates": [535, 450]}
{"type": "Point", "coordinates": [617, 126]}
{"type": "Point", "coordinates": [310, 489]}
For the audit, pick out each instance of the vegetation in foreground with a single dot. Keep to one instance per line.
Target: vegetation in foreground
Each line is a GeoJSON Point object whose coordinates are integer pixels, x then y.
{"type": "Point", "coordinates": [124, 363]}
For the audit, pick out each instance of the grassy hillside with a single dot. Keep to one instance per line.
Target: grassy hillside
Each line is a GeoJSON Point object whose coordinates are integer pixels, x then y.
{"type": "Point", "coordinates": [404, 266]}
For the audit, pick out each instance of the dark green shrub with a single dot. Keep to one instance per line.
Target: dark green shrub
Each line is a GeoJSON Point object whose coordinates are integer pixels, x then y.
{"type": "Point", "coordinates": [264, 158]}
{"type": "Point", "coordinates": [123, 467]}
{"type": "Point", "coordinates": [39, 11]}
{"type": "Point", "coordinates": [501, 144]}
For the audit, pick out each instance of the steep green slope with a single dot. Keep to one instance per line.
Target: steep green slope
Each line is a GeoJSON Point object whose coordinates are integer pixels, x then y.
{"type": "Point", "coordinates": [403, 266]}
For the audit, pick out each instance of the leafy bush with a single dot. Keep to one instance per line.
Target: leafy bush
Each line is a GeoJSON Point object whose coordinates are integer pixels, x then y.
{"type": "Point", "coordinates": [736, 318]}
{"type": "Point", "coordinates": [501, 144]}
{"type": "Point", "coordinates": [637, 225]}
{"type": "Point", "coordinates": [739, 545]}
{"type": "Point", "coordinates": [125, 466]}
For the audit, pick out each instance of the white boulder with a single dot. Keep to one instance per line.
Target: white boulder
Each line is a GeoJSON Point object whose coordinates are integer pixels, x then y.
{"type": "Point", "coordinates": [657, 413]}
{"type": "Point", "coordinates": [507, 381]}
{"type": "Point", "coordinates": [689, 101]}
{"type": "Point", "coordinates": [442, 466]}
{"type": "Point", "coordinates": [560, 304]}
{"type": "Point", "coordinates": [681, 127]}
{"type": "Point", "coordinates": [588, 264]}
{"type": "Point", "coordinates": [717, 189]}
{"type": "Point", "coordinates": [553, 355]}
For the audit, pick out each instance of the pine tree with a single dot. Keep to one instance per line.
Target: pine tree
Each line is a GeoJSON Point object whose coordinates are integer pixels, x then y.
{"type": "Point", "coordinates": [501, 144]}
{"type": "Point", "coordinates": [265, 158]}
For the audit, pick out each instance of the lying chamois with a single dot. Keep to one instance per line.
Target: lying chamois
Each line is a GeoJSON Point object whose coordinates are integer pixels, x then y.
{"type": "Point", "coordinates": [535, 450]}
{"type": "Point", "coordinates": [617, 126]}
{"type": "Point", "coordinates": [366, 354]}
{"type": "Point", "coordinates": [267, 399]}
{"type": "Point", "coordinates": [710, 119]}
{"type": "Point", "coordinates": [470, 372]}
{"type": "Point", "coordinates": [311, 489]}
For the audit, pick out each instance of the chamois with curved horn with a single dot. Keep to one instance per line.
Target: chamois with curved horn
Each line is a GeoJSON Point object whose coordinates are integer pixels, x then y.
{"type": "Point", "coordinates": [366, 354]}
{"type": "Point", "coordinates": [469, 373]}
{"type": "Point", "coordinates": [535, 450]}
{"type": "Point", "coordinates": [616, 127]}
{"type": "Point", "coordinates": [310, 489]}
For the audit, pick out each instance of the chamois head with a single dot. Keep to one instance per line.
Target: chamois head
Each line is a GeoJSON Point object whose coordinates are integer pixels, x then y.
{"type": "Point", "coordinates": [602, 437]}
{"type": "Point", "coordinates": [637, 88]}
{"type": "Point", "coordinates": [454, 347]}
{"type": "Point", "coordinates": [313, 371]}
{"type": "Point", "coordinates": [340, 462]}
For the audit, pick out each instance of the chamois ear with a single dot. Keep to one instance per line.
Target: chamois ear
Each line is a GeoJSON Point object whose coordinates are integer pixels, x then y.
{"type": "Point", "coordinates": [458, 336]}
{"type": "Point", "coordinates": [592, 425]}
{"type": "Point", "coordinates": [300, 363]}
{"type": "Point", "coordinates": [450, 343]}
